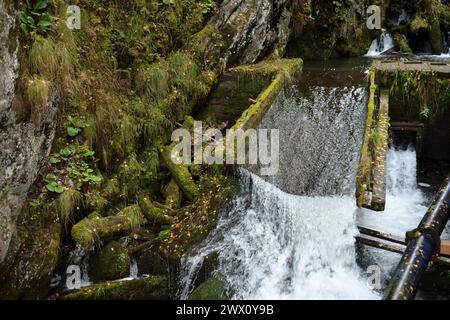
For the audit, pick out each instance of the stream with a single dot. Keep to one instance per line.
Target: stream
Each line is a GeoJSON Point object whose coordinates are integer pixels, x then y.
{"type": "Point", "coordinates": [291, 235]}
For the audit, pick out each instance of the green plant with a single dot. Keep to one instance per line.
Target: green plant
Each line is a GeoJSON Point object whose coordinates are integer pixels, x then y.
{"type": "Point", "coordinates": [34, 17]}
{"type": "Point", "coordinates": [76, 125]}
{"type": "Point", "coordinates": [208, 6]}
{"type": "Point", "coordinates": [52, 184]}
{"type": "Point", "coordinates": [70, 169]}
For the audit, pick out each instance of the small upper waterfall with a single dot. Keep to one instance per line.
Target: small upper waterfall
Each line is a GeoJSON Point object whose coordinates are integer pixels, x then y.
{"type": "Point", "coordinates": [381, 46]}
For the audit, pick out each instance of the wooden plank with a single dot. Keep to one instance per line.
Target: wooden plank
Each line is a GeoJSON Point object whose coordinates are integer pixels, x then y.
{"type": "Point", "coordinates": [382, 235]}
{"type": "Point", "coordinates": [381, 146]}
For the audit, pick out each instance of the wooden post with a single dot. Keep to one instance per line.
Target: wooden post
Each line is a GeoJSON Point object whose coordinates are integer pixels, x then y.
{"type": "Point", "coordinates": [380, 141]}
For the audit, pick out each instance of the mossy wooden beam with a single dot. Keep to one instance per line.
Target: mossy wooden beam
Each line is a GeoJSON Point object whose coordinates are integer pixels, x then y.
{"type": "Point", "coordinates": [282, 71]}
{"type": "Point", "coordinates": [92, 232]}
{"type": "Point", "coordinates": [380, 146]}
{"type": "Point", "coordinates": [364, 174]}
{"type": "Point", "coordinates": [150, 288]}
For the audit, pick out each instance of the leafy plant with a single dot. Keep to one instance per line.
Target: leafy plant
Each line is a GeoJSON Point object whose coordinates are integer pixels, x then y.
{"type": "Point", "coordinates": [76, 125]}
{"type": "Point", "coordinates": [70, 168]}
{"type": "Point", "coordinates": [208, 6]}
{"type": "Point", "coordinates": [52, 184]}
{"type": "Point", "coordinates": [34, 17]}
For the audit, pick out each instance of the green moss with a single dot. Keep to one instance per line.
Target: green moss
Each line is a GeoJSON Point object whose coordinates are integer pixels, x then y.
{"type": "Point", "coordinates": [173, 195]}
{"type": "Point", "coordinates": [402, 43]}
{"type": "Point", "coordinates": [213, 289]}
{"type": "Point", "coordinates": [69, 202]}
{"type": "Point", "coordinates": [419, 25]}
{"type": "Point", "coordinates": [110, 263]}
{"type": "Point", "coordinates": [43, 58]}
{"type": "Point", "coordinates": [435, 36]}
{"type": "Point", "coordinates": [150, 288]}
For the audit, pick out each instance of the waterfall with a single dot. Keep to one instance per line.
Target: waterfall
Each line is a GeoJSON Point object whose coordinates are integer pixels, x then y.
{"type": "Point", "coordinates": [276, 245]}
{"type": "Point", "coordinates": [382, 46]}
{"type": "Point", "coordinates": [405, 207]}
{"type": "Point", "coordinates": [320, 135]}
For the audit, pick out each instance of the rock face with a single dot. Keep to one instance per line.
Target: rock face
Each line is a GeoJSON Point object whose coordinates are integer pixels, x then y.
{"type": "Point", "coordinates": [257, 28]}
{"type": "Point", "coordinates": [23, 145]}
{"type": "Point", "coordinates": [330, 29]}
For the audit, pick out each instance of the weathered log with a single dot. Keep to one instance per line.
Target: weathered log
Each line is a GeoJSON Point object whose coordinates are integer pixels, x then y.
{"type": "Point", "coordinates": [150, 288]}
{"type": "Point", "coordinates": [380, 145]}
{"type": "Point", "coordinates": [173, 195]}
{"type": "Point", "coordinates": [423, 244]}
{"type": "Point", "coordinates": [180, 173]}
{"type": "Point", "coordinates": [364, 174]}
{"type": "Point", "coordinates": [362, 239]}
{"type": "Point", "coordinates": [91, 232]}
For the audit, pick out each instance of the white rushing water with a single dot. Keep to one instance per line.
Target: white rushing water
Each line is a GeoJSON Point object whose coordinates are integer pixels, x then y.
{"type": "Point", "coordinates": [381, 46]}
{"type": "Point", "coordinates": [274, 245]}
{"type": "Point", "coordinates": [405, 207]}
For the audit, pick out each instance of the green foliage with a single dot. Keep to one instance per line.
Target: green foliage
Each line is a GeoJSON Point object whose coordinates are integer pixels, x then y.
{"type": "Point", "coordinates": [208, 6]}
{"type": "Point", "coordinates": [70, 168]}
{"type": "Point", "coordinates": [52, 184]}
{"type": "Point", "coordinates": [76, 126]}
{"type": "Point", "coordinates": [33, 16]}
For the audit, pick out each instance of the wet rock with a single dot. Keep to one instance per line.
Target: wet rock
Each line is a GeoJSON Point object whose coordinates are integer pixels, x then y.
{"type": "Point", "coordinates": [24, 144]}
{"type": "Point", "coordinates": [151, 262]}
{"type": "Point", "coordinates": [150, 288]}
{"type": "Point", "coordinates": [33, 255]}
{"type": "Point", "coordinates": [110, 263]}
{"type": "Point", "coordinates": [213, 289]}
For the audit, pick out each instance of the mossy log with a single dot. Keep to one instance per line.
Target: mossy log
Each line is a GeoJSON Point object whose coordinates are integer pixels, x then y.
{"type": "Point", "coordinates": [173, 195]}
{"type": "Point", "coordinates": [150, 288]}
{"type": "Point", "coordinates": [180, 174]}
{"type": "Point", "coordinates": [91, 232]}
{"type": "Point", "coordinates": [364, 174]}
{"type": "Point", "coordinates": [282, 70]}
{"type": "Point", "coordinates": [152, 213]}
{"type": "Point", "coordinates": [381, 145]}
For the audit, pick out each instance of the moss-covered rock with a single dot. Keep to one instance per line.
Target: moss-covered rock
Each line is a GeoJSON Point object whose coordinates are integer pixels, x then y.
{"type": "Point", "coordinates": [112, 262]}
{"type": "Point", "coordinates": [213, 289]}
{"type": "Point", "coordinates": [150, 288]}
{"type": "Point", "coordinates": [435, 35]}
{"type": "Point", "coordinates": [401, 42]}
